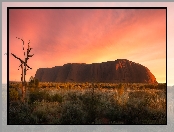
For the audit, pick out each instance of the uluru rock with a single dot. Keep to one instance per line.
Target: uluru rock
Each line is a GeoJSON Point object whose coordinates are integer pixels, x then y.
{"type": "Point", "coordinates": [118, 71]}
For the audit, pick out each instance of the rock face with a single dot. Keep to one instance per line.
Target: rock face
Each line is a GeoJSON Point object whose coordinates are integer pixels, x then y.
{"type": "Point", "coordinates": [118, 71]}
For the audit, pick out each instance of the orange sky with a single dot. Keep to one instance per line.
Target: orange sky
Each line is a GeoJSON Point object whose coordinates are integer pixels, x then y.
{"type": "Point", "coordinates": [60, 36]}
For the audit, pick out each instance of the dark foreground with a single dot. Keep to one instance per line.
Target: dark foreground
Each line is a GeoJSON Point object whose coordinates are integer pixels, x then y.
{"type": "Point", "coordinates": [87, 103]}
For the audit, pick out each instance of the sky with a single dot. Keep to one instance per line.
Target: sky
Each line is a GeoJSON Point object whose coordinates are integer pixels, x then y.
{"type": "Point", "coordinates": [112, 46]}
{"type": "Point", "coordinates": [60, 36]}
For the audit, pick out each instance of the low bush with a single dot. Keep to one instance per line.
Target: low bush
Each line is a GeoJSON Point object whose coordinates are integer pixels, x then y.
{"type": "Point", "coordinates": [56, 98]}
{"type": "Point", "coordinates": [13, 94]}
{"type": "Point", "coordinates": [38, 95]}
{"type": "Point", "coordinates": [19, 113]}
{"type": "Point", "coordinates": [72, 113]}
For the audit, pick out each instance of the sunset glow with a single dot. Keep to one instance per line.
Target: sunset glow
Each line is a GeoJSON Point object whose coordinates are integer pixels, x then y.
{"type": "Point", "coordinates": [60, 36]}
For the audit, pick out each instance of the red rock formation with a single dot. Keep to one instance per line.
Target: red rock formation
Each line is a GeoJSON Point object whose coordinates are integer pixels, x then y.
{"type": "Point", "coordinates": [120, 70]}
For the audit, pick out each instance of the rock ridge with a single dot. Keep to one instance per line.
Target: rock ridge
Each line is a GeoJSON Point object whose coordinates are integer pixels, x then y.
{"type": "Point", "coordinates": [118, 71]}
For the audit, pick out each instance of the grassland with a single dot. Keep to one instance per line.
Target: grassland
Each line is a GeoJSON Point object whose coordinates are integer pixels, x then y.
{"type": "Point", "coordinates": [88, 103]}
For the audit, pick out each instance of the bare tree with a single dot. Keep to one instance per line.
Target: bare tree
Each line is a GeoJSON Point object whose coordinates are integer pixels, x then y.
{"type": "Point", "coordinates": [23, 66]}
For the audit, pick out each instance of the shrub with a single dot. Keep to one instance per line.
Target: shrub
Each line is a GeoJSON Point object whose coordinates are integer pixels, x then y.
{"type": "Point", "coordinates": [162, 86]}
{"type": "Point", "coordinates": [90, 103]}
{"type": "Point", "coordinates": [120, 89]}
{"type": "Point", "coordinates": [72, 113]}
{"type": "Point", "coordinates": [36, 82]}
{"type": "Point", "coordinates": [46, 112]}
{"type": "Point", "coordinates": [38, 95]}
{"type": "Point", "coordinates": [19, 113]}
{"type": "Point", "coordinates": [56, 98]}
{"type": "Point", "coordinates": [13, 94]}
{"type": "Point", "coordinates": [33, 82]}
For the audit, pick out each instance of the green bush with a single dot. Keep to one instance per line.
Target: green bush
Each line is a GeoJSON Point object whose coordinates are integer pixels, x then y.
{"type": "Point", "coordinates": [90, 103]}
{"type": "Point", "coordinates": [36, 82]}
{"type": "Point", "coordinates": [19, 113]}
{"type": "Point", "coordinates": [56, 98]}
{"type": "Point", "coordinates": [72, 113]}
{"type": "Point", "coordinates": [33, 82]}
{"type": "Point", "coordinates": [13, 94]}
{"type": "Point", "coordinates": [38, 95]}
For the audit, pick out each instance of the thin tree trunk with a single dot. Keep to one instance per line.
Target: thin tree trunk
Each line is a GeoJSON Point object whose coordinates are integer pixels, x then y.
{"type": "Point", "coordinates": [23, 87]}
{"type": "Point", "coordinates": [24, 77]}
{"type": "Point", "coordinates": [24, 84]}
